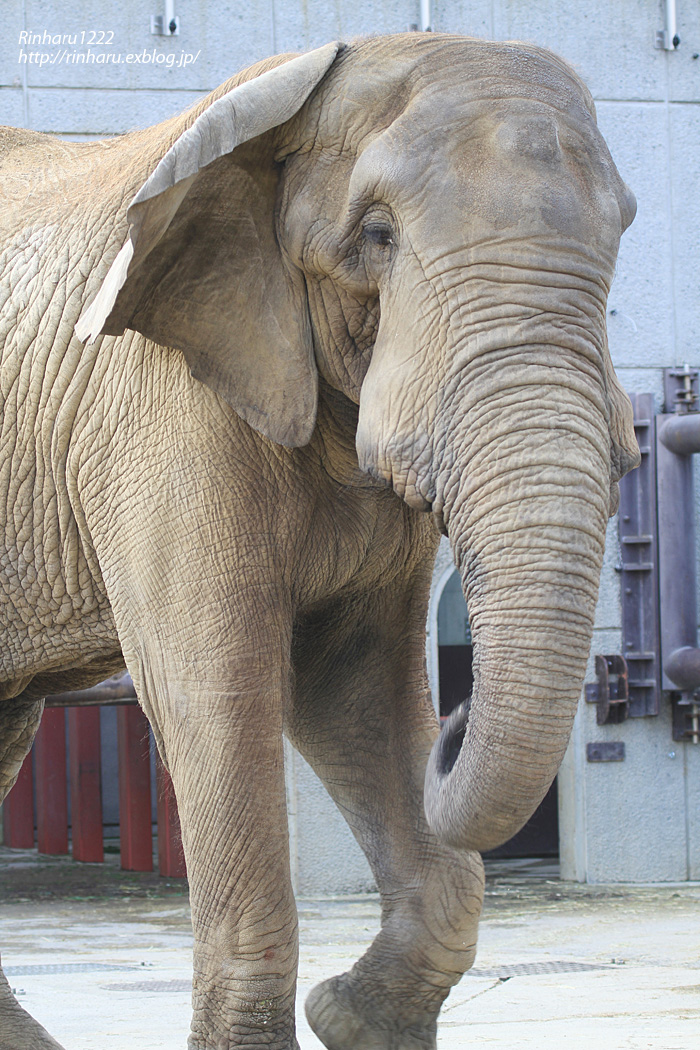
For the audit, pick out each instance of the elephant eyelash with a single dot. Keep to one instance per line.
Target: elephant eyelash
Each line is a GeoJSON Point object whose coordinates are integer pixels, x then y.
{"type": "Point", "coordinates": [381, 235]}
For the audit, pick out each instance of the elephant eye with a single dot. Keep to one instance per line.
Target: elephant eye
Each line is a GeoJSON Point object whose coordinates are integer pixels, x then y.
{"type": "Point", "coordinates": [379, 233]}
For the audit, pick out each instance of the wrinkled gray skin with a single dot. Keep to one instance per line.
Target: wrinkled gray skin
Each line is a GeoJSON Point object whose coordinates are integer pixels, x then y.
{"type": "Point", "coordinates": [388, 271]}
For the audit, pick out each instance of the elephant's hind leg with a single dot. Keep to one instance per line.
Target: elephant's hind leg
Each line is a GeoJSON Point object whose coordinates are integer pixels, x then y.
{"type": "Point", "coordinates": [19, 721]}
{"type": "Point", "coordinates": [362, 718]}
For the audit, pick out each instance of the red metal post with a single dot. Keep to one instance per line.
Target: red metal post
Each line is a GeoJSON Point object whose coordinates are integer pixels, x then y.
{"type": "Point", "coordinates": [85, 783]}
{"type": "Point", "coordinates": [18, 810]}
{"type": "Point", "coordinates": [51, 787]}
{"type": "Point", "coordinates": [171, 858]}
{"type": "Point", "coordinates": [135, 833]}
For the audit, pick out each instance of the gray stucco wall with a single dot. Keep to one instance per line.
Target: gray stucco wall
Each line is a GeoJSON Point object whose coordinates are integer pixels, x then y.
{"type": "Point", "coordinates": [637, 820]}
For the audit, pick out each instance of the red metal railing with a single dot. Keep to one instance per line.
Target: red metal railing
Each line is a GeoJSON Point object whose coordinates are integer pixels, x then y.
{"type": "Point", "coordinates": [83, 769]}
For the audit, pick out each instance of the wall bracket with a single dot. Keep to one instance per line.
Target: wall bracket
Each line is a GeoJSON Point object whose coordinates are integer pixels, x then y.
{"type": "Point", "coordinates": [610, 690]}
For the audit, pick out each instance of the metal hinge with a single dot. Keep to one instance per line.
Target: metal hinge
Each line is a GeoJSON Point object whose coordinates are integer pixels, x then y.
{"type": "Point", "coordinates": [610, 692]}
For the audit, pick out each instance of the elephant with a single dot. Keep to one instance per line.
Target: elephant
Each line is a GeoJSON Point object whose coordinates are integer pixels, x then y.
{"type": "Point", "coordinates": [257, 360]}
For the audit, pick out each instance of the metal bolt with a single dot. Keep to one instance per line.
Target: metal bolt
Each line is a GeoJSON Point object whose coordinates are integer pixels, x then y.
{"type": "Point", "coordinates": [672, 754]}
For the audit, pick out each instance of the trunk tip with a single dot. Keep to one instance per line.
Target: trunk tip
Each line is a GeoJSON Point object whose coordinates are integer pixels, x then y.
{"type": "Point", "coordinates": [438, 802]}
{"type": "Point", "coordinates": [449, 744]}
{"type": "Point", "coordinates": [451, 809]}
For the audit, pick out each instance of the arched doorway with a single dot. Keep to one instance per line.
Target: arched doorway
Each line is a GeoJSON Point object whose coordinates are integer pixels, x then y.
{"type": "Point", "coordinates": [540, 836]}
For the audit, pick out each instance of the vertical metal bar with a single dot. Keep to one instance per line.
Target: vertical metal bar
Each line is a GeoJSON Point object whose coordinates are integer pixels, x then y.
{"type": "Point", "coordinates": [135, 833]}
{"type": "Point", "coordinates": [171, 858]}
{"type": "Point", "coordinates": [18, 810]}
{"type": "Point", "coordinates": [677, 589]}
{"type": "Point", "coordinates": [85, 783]}
{"type": "Point", "coordinates": [51, 786]}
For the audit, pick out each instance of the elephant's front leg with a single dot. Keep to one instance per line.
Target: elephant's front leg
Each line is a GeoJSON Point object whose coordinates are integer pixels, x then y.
{"type": "Point", "coordinates": [221, 733]}
{"type": "Point", "coordinates": [363, 719]}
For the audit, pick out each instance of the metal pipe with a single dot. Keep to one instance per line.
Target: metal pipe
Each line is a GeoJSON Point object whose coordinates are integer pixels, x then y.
{"type": "Point", "coordinates": [167, 24]}
{"type": "Point", "coordinates": [676, 514]}
{"type": "Point", "coordinates": [426, 18]}
{"type": "Point", "coordinates": [667, 38]}
{"type": "Point", "coordinates": [681, 434]}
{"type": "Point", "coordinates": [683, 668]}
{"type": "Point", "coordinates": [670, 24]}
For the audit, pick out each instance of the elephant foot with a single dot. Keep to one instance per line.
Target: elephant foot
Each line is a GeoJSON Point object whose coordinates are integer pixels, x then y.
{"type": "Point", "coordinates": [18, 1029]}
{"type": "Point", "coordinates": [341, 1024]}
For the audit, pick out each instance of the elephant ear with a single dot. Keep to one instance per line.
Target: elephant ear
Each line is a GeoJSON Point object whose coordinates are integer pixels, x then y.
{"type": "Point", "coordinates": [202, 270]}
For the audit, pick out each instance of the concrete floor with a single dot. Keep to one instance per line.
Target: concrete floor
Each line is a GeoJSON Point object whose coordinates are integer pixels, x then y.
{"type": "Point", "coordinates": [102, 958]}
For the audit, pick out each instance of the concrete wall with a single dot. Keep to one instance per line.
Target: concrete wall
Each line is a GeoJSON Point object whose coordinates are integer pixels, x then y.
{"type": "Point", "coordinates": [634, 820]}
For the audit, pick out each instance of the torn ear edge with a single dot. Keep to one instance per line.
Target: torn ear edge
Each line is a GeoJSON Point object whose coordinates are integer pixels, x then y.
{"type": "Point", "coordinates": [202, 271]}
{"type": "Point", "coordinates": [624, 450]}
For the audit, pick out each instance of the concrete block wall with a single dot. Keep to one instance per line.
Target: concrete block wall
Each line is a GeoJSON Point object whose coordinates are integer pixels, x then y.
{"type": "Point", "coordinates": [634, 820]}
{"type": "Point", "coordinates": [325, 857]}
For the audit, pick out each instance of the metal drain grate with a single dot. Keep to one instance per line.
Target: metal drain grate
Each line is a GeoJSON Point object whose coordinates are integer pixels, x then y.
{"type": "Point", "coordinates": [151, 986]}
{"type": "Point", "coordinates": [30, 971]}
{"type": "Point", "coordinates": [503, 973]}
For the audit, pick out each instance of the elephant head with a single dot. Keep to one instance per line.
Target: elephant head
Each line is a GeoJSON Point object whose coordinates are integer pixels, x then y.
{"type": "Point", "coordinates": [431, 223]}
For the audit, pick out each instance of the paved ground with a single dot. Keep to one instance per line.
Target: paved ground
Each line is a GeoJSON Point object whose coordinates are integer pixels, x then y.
{"type": "Point", "coordinates": [102, 958]}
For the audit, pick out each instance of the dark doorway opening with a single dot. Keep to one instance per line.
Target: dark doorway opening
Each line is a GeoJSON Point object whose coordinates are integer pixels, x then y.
{"type": "Point", "coordinates": [540, 836]}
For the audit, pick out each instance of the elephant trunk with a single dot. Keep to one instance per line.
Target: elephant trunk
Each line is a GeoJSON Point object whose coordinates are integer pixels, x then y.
{"type": "Point", "coordinates": [527, 524]}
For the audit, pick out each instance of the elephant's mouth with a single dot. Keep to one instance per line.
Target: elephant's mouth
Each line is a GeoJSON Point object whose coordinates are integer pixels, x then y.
{"type": "Point", "coordinates": [411, 495]}
{"type": "Point", "coordinates": [415, 500]}
{"type": "Point", "coordinates": [408, 489]}
{"type": "Point", "coordinates": [439, 520]}
{"type": "Point", "coordinates": [400, 465]}
{"type": "Point", "coordinates": [403, 488]}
